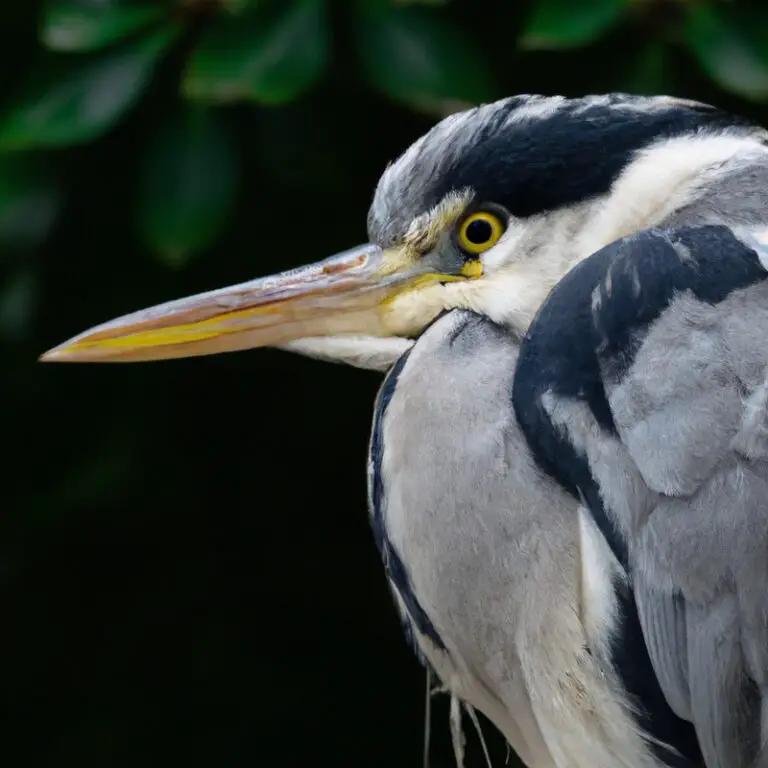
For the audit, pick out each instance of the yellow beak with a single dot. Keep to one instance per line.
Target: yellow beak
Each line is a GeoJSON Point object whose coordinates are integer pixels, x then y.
{"type": "Point", "coordinates": [346, 294]}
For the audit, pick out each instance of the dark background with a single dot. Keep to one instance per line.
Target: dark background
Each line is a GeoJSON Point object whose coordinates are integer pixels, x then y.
{"type": "Point", "coordinates": [186, 570]}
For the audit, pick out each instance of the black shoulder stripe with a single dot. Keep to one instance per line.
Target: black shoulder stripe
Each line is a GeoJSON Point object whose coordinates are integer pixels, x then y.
{"type": "Point", "coordinates": [593, 323]}
{"type": "Point", "coordinates": [590, 327]}
{"type": "Point", "coordinates": [646, 271]}
{"type": "Point", "coordinates": [395, 568]}
{"type": "Point", "coordinates": [557, 356]}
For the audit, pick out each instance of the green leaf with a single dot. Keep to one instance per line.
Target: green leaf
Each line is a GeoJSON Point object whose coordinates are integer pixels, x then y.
{"type": "Point", "coordinates": [270, 55]}
{"type": "Point", "coordinates": [85, 25]}
{"type": "Point", "coordinates": [18, 303]}
{"type": "Point", "coordinates": [569, 23]}
{"type": "Point", "coordinates": [188, 185]}
{"type": "Point", "coordinates": [414, 56]}
{"type": "Point", "coordinates": [29, 201]}
{"type": "Point", "coordinates": [731, 44]}
{"type": "Point", "coordinates": [77, 100]}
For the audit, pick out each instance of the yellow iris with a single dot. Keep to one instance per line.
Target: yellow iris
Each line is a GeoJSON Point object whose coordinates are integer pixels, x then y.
{"type": "Point", "coordinates": [480, 231]}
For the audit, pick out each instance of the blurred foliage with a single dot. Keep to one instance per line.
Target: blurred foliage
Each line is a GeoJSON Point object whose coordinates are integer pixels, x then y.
{"type": "Point", "coordinates": [96, 60]}
{"type": "Point", "coordinates": [153, 148]}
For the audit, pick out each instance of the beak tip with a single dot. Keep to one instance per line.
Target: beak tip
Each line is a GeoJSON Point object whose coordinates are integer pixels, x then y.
{"type": "Point", "coordinates": [55, 355]}
{"type": "Point", "coordinates": [341, 294]}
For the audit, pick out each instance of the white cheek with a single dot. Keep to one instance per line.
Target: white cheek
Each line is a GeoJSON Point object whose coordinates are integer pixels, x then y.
{"type": "Point", "coordinates": [503, 251]}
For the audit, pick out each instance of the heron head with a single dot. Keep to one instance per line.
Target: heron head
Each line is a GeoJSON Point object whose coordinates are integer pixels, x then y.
{"type": "Point", "coordinates": [487, 211]}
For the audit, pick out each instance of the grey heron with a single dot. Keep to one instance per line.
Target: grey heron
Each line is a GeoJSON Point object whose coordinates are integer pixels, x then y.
{"type": "Point", "coordinates": [568, 466]}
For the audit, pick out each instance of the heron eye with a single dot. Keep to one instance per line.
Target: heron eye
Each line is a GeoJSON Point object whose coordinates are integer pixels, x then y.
{"type": "Point", "coordinates": [480, 231]}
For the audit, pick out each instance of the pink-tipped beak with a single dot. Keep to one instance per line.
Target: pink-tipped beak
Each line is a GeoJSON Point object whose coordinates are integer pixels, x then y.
{"type": "Point", "coordinates": [341, 295]}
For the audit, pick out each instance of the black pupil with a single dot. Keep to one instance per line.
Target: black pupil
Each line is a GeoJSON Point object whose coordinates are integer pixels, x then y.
{"type": "Point", "coordinates": [478, 231]}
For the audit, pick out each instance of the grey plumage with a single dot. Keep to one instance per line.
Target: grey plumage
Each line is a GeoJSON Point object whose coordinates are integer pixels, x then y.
{"type": "Point", "coordinates": [704, 547]}
{"type": "Point", "coordinates": [568, 471]}
{"type": "Point", "coordinates": [682, 469]}
{"type": "Point", "coordinates": [491, 543]}
{"type": "Point", "coordinates": [436, 505]}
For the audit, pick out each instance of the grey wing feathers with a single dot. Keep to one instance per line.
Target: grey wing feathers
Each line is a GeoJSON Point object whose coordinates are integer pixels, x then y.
{"type": "Point", "coordinates": [663, 618]}
{"type": "Point", "coordinates": [678, 342]}
{"type": "Point", "coordinates": [681, 409]}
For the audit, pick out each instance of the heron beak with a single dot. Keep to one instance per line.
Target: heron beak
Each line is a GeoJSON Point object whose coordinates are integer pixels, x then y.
{"type": "Point", "coordinates": [346, 294]}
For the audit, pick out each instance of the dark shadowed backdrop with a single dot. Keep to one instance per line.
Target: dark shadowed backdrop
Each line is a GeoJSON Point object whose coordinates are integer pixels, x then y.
{"type": "Point", "coordinates": [186, 571]}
